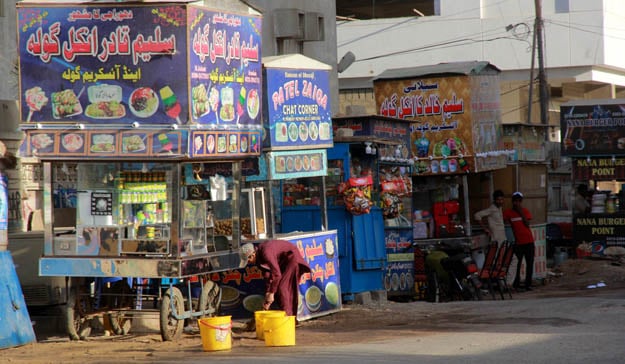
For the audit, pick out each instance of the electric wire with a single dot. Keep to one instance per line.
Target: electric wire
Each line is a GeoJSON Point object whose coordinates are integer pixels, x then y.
{"type": "Point", "coordinates": [411, 19]}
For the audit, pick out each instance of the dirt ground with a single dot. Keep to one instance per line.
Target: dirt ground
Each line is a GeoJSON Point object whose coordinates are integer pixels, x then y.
{"type": "Point", "coordinates": [353, 324]}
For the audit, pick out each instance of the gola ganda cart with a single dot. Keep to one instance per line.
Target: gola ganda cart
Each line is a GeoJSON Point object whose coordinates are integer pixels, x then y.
{"type": "Point", "coordinates": [141, 100]}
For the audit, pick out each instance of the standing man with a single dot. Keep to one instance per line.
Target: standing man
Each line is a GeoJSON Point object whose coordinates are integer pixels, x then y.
{"type": "Point", "coordinates": [491, 218]}
{"type": "Point", "coordinates": [282, 265]}
{"type": "Point", "coordinates": [581, 204]}
{"type": "Point", "coordinates": [519, 218]}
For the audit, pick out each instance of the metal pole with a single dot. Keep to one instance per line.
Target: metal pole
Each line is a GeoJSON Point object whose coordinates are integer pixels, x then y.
{"type": "Point", "coordinates": [544, 94]}
{"type": "Point", "coordinates": [531, 88]}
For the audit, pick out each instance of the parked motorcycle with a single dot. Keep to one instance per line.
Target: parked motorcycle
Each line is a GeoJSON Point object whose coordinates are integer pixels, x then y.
{"type": "Point", "coordinates": [463, 276]}
{"type": "Point", "coordinates": [452, 277]}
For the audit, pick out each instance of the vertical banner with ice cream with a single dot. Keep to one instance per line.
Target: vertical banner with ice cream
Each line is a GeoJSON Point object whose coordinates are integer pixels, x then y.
{"type": "Point", "coordinates": [109, 64]}
{"type": "Point", "coordinates": [225, 68]}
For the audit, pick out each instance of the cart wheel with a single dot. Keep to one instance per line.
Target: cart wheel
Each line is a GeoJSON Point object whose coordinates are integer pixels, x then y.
{"type": "Point", "coordinates": [78, 305]}
{"type": "Point", "coordinates": [210, 299]}
{"type": "Point", "coordinates": [120, 321]}
{"type": "Point", "coordinates": [171, 327]}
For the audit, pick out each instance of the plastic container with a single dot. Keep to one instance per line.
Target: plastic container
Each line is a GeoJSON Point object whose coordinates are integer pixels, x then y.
{"type": "Point", "coordinates": [559, 256]}
{"type": "Point", "coordinates": [479, 257]}
{"type": "Point", "coordinates": [279, 331]}
{"type": "Point", "coordinates": [259, 318]}
{"type": "Point", "coordinates": [216, 333]}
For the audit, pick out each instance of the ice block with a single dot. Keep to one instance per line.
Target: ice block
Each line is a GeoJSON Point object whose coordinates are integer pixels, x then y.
{"type": "Point", "coordinates": [166, 144]}
{"type": "Point", "coordinates": [170, 103]}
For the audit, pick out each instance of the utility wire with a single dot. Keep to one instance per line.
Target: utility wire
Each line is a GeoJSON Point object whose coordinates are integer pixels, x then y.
{"type": "Point", "coordinates": [408, 20]}
{"type": "Point", "coordinates": [442, 45]}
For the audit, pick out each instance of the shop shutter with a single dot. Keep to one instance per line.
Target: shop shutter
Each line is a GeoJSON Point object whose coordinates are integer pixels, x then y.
{"type": "Point", "coordinates": [368, 240]}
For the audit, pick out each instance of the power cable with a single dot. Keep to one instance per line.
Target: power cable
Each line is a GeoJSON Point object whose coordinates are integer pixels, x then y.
{"type": "Point", "coordinates": [442, 45]}
{"type": "Point", "coordinates": [411, 19]}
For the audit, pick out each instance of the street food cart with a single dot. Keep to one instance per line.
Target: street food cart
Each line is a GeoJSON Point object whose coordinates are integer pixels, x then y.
{"type": "Point", "coordinates": [297, 131]}
{"type": "Point", "coordinates": [455, 136]}
{"type": "Point", "coordinates": [591, 136]}
{"type": "Point", "coordinates": [143, 99]}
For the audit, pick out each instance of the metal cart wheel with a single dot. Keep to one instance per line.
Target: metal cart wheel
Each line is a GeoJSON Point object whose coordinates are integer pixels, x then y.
{"type": "Point", "coordinates": [121, 322]}
{"type": "Point", "coordinates": [172, 305]}
{"type": "Point", "coordinates": [77, 322]}
{"type": "Point", "coordinates": [210, 299]}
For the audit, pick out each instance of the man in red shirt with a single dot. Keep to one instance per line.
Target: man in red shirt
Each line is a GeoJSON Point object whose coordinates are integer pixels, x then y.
{"type": "Point", "coordinates": [519, 217]}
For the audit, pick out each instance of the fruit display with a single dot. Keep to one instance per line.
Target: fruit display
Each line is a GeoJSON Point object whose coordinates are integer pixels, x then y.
{"type": "Point", "coordinates": [224, 226]}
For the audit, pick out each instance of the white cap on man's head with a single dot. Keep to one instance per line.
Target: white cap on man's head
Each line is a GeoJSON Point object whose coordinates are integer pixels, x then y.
{"type": "Point", "coordinates": [245, 252]}
{"type": "Point", "coordinates": [517, 194]}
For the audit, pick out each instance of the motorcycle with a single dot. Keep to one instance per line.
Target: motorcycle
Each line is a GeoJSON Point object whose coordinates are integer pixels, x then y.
{"type": "Point", "coordinates": [452, 277]}
{"type": "Point", "coordinates": [464, 281]}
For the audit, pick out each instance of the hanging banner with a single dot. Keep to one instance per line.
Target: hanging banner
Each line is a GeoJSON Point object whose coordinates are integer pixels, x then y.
{"type": "Point", "coordinates": [145, 63]}
{"type": "Point", "coordinates": [453, 116]}
{"type": "Point", "coordinates": [103, 143]}
{"type": "Point", "coordinates": [606, 228]}
{"type": "Point", "coordinates": [225, 68]}
{"type": "Point", "coordinates": [299, 112]}
{"type": "Point", "coordinates": [599, 169]}
{"type": "Point", "coordinates": [593, 128]}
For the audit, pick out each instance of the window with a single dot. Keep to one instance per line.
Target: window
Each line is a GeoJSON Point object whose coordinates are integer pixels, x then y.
{"type": "Point", "coordinates": [562, 6]}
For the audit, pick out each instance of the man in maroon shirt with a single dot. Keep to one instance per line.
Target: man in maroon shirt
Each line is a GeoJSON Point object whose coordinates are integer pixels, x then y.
{"type": "Point", "coordinates": [519, 217]}
{"type": "Point", "coordinates": [282, 265]}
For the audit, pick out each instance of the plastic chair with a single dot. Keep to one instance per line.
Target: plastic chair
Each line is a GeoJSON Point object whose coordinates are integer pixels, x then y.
{"type": "Point", "coordinates": [500, 272]}
{"type": "Point", "coordinates": [486, 272]}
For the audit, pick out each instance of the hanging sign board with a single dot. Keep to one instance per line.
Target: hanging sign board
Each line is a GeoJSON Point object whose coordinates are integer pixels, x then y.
{"type": "Point", "coordinates": [299, 113]}
{"type": "Point", "coordinates": [593, 127]}
{"type": "Point", "coordinates": [455, 113]}
{"type": "Point", "coordinates": [157, 63]}
{"type": "Point", "coordinates": [103, 143]}
{"type": "Point", "coordinates": [297, 164]}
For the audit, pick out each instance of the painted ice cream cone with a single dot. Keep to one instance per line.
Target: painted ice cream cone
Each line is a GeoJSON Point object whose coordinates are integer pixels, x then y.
{"type": "Point", "coordinates": [35, 99]}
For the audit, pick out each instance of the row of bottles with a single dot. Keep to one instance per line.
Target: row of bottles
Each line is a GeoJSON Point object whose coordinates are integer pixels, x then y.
{"type": "Point", "coordinates": [143, 193]}
{"type": "Point", "coordinates": [135, 176]}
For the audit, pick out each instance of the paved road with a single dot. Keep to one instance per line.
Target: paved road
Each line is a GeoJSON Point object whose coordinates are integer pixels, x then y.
{"type": "Point", "coordinates": [555, 330]}
{"type": "Point", "coordinates": [538, 330]}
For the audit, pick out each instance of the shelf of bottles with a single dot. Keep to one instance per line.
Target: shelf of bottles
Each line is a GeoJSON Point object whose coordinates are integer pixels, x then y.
{"type": "Point", "coordinates": [143, 198]}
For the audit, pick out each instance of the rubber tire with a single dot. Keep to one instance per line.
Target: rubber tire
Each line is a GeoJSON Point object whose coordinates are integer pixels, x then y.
{"type": "Point", "coordinates": [210, 299]}
{"type": "Point", "coordinates": [433, 292]}
{"type": "Point", "coordinates": [475, 290]}
{"type": "Point", "coordinates": [171, 328]}
{"type": "Point", "coordinates": [121, 322]}
{"type": "Point", "coordinates": [78, 327]}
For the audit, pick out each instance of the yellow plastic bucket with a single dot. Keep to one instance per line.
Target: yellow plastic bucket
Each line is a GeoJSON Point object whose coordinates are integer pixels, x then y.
{"type": "Point", "coordinates": [216, 333]}
{"type": "Point", "coordinates": [259, 318]}
{"type": "Point", "coordinates": [279, 331]}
